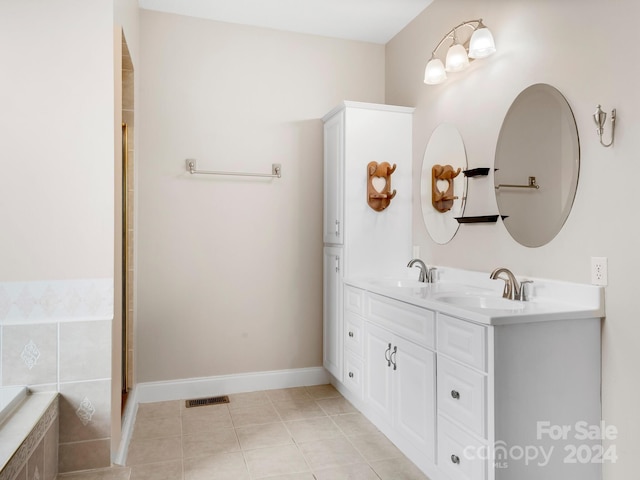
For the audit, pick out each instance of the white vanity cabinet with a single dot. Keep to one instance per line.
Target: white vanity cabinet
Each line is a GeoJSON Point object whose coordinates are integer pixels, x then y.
{"type": "Point", "coordinates": [400, 373]}
{"type": "Point", "coordinates": [356, 134]}
{"type": "Point", "coordinates": [499, 385]}
{"type": "Point", "coordinates": [462, 398]}
{"type": "Point", "coordinates": [466, 400]}
{"type": "Point", "coordinates": [353, 340]}
{"type": "Point", "coordinates": [332, 347]}
{"type": "Point", "coordinates": [333, 179]}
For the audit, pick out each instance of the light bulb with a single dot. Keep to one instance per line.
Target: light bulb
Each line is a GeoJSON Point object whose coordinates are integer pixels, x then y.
{"type": "Point", "coordinates": [434, 73]}
{"type": "Point", "coordinates": [457, 58]}
{"type": "Point", "coordinates": [481, 44]}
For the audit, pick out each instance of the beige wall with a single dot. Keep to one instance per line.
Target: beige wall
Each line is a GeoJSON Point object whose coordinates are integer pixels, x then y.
{"type": "Point", "coordinates": [230, 272]}
{"type": "Point", "coordinates": [57, 141]}
{"type": "Point", "coordinates": [582, 49]}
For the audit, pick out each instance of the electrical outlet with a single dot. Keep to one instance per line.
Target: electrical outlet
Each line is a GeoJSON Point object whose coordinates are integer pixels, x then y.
{"type": "Point", "coordinates": [599, 271]}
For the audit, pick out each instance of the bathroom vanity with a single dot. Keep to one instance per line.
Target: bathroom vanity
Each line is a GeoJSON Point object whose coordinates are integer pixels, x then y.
{"type": "Point", "coordinates": [470, 385]}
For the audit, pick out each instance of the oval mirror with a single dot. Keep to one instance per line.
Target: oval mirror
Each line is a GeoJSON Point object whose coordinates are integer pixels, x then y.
{"type": "Point", "coordinates": [442, 183]}
{"type": "Point", "coordinates": [537, 164]}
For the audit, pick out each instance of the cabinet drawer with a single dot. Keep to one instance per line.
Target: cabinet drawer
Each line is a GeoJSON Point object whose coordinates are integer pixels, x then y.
{"type": "Point", "coordinates": [353, 300]}
{"type": "Point", "coordinates": [411, 322]}
{"type": "Point", "coordinates": [460, 456]}
{"type": "Point", "coordinates": [464, 341]}
{"type": "Point", "coordinates": [462, 395]}
{"type": "Point", "coordinates": [353, 333]}
{"type": "Point", "coordinates": [353, 374]}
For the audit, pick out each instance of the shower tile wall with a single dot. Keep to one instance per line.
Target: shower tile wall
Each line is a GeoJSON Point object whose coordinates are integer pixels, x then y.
{"type": "Point", "coordinates": [56, 335]}
{"type": "Point", "coordinates": [129, 118]}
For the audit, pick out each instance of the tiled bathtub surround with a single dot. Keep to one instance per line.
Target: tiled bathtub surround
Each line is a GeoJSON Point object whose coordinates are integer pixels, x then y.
{"type": "Point", "coordinates": [56, 336]}
{"type": "Point", "coordinates": [55, 301]}
{"type": "Point", "coordinates": [307, 433]}
{"type": "Point", "coordinates": [35, 457]}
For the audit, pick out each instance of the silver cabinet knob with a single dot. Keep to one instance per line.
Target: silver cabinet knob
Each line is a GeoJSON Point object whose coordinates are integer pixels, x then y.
{"type": "Point", "coordinates": [351, 334]}
{"type": "Point", "coordinates": [455, 394]}
{"type": "Point", "coordinates": [350, 374]}
{"type": "Point", "coordinates": [455, 459]}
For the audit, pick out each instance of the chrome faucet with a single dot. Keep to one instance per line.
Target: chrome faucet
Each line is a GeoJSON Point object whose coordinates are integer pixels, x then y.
{"type": "Point", "coordinates": [512, 290]}
{"type": "Point", "coordinates": [427, 275]}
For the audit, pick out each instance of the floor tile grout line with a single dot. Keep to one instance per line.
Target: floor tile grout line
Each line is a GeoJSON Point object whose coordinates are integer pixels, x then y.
{"type": "Point", "coordinates": [368, 463]}
{"type": "Point", "coordinates": [365, 458]}
{"type": "Point", "coordinates": [291, 435]}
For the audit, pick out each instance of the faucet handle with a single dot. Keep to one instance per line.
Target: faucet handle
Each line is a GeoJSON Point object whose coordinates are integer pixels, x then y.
{"type": "Point", "coordinates": [524, 296]}
{"type": "Point", "coordinates": [432, 275]}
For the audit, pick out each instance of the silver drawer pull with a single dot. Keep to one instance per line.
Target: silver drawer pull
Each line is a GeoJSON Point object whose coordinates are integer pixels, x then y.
{"type": "Point", "coordinates": [351, 334]}
{"type": "Point", "coordinates": [387, 355]}
{"type": "Point", "coordinates": [455, 459]}
{"type": "Point", "coordinates": [350, 374]}
{"type": "Point", "coordinates": [392, 357]}
{"type": "Point", "coordinates": [455, 394]}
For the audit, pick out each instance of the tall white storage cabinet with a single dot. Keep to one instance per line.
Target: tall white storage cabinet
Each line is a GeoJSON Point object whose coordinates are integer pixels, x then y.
{"type": "Point", "coordinates": [357, 239]}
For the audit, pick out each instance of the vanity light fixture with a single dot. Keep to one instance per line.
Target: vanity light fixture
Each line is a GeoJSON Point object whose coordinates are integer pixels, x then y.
{"type": "Point", "coordinates": [600, 117]}
{"type": "Point", "coordinates": [480, 45]}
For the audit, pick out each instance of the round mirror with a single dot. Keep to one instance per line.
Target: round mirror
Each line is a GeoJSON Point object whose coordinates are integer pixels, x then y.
{"type": "Point", "coordinates": [442, 183]}
{"type": "Point", "coordinates": [537, 164]}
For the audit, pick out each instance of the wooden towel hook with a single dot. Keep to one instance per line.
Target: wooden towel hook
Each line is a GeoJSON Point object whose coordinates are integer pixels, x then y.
{"type": "Point", "coordinates": [443, 200]}
{"type": "Point", "coordinates": [379, 192]}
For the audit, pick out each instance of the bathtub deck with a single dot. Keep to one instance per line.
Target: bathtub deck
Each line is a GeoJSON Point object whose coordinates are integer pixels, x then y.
{"type": "Point", "coordinates": [22, 428]}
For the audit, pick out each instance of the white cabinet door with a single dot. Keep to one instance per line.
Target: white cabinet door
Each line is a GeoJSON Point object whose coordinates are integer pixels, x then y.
{"type": "Point", "coordinates": [377, 380]}
{"type": "Point", "coordinates": [414, 395]}
{"type": "Point", "coordinates": [333, 179]}
{"type": "Point", "coordinates": [332, 314]}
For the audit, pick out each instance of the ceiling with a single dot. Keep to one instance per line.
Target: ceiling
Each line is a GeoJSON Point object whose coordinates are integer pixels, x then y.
{"type": "Point", "coordinates": [376, 21]}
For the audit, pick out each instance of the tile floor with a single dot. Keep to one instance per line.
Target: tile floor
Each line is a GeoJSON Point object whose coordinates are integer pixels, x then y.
{"type": "Point", "coordinates": [306, 433]}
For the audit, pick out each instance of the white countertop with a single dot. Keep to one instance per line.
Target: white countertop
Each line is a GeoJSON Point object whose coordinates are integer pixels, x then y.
{"type": "Point", "coordinates": [549, 299]}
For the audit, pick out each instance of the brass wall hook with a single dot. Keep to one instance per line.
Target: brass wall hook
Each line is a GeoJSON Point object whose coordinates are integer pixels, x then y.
{"type": "Point", "coordinates": [600, 117]}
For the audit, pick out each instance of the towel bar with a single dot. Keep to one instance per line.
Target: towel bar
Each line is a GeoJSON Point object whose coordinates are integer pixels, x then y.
{"type": "Point", "coordinates": [276, 171]}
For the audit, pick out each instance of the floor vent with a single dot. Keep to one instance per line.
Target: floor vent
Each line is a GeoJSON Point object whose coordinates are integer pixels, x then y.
{"type": "Point", "coordinates": [203, 402]}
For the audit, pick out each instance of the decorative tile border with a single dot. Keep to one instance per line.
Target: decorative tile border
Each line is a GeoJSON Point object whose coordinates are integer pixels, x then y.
{"type": "Point", "coordinates": [55, 301]}
{"type": "Point", "coordinates": [32, 441]}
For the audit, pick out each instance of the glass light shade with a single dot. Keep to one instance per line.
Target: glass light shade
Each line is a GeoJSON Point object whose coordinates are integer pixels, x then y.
{"type": "Point", "coordinates": [434, 73]}
{"type": "Point", "coordinates": [481, 44]}
{"type": "Point", "coordinates": [457, 58]}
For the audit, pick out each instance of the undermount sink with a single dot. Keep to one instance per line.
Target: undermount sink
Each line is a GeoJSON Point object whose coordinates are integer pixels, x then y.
{"type": "Point", "coordinates": [399, 283]}
{"type": "Point", "coordinates": [482, 302]}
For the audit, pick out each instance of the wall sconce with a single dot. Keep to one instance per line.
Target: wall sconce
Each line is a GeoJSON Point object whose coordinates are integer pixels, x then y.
{"type": "Point", "coordinates": [600, 118]}
{"type": "Point", "coordinates": [480, 45]}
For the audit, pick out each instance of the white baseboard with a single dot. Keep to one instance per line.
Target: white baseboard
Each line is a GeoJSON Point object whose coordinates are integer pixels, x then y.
{"type": "Point", "coordinates": [227, 384]}
{"type": "Point", "coordinates": [211, 386]}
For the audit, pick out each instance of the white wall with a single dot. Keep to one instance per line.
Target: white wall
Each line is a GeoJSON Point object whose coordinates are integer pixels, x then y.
{"type": "Point", "coordinates": [581, 48]}
{"type": "Point", "coordinates": [230, 272]}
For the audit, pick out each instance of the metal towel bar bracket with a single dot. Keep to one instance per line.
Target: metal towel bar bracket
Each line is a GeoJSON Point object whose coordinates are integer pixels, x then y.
{"type": "Point", "coordinates": [532, 184]}
{"type": "Point", "coordinates": [276, 171]}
